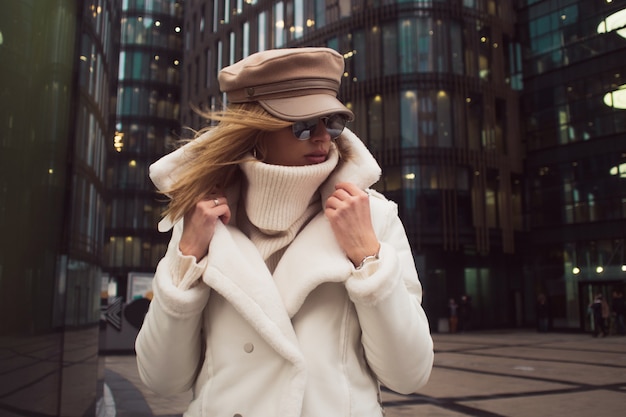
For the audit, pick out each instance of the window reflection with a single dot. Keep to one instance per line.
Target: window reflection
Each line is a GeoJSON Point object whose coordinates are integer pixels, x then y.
{"type": "Point", "coordinates": [130, 251]}
{"type": "Point", "coordinates": [262, 31]}
{"type": "Point", "coordinates": [375, 122]}
{"type": "Point", "coordinates": [320, 13]}
{"type": "Point", "coordinates": [408, 118]}
{"type": "Point", "coordinates": [390, 49]}
{"type": "Point", "coordinates": [297, 30]}
{"type": "Point", "coordinates": [425, 44]}
{"type": "Point", "coordinates": [426, 118]}
{"type": "Point", "coordinates": [279, 24]}
{"type": "Point", "coordinates": [585, 190]}
{"type": "Point", "coordinates": [144, 101]}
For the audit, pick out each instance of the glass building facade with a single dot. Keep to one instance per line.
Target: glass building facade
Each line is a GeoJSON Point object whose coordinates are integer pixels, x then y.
{"type": "Point", "coordinates": [435, 89]}
{"type": "Point", "coordinates": [147, 124]}
{"type": "Point", "coordinates": [574, 107]}
{"type": "Point", "coordinates": [58, 69]}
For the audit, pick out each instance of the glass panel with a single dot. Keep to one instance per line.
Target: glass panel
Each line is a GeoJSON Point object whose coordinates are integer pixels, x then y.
{"type": "Point", "coordinates": [298, 19]}
{"type": "Point", "coordinates": [390, 50]}
{"type": "Point", "coordinates": [320, 13]}
{"type": "Point", "coordinates": [375, 121]}
{"type": "Point", "coordinates": [359, 59]}
{"type": "Point", "coordinates": [444, 120]}
{"type": "Point", "coordinates": [246, 39]}
{"type": "Point", "coordinates": [262, 31]}
{"type": "Point", "coordinates": [408, 119]}
{"type": "Point", "coordinates": [227, 11]}
{"type": "Point", "coordinates": [456, 43]}
{"type": "Point", "coordinates": [279, 24]}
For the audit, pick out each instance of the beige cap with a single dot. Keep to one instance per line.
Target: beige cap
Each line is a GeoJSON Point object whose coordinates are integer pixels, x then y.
{"type": "Point", "coordinates": [292, 84]}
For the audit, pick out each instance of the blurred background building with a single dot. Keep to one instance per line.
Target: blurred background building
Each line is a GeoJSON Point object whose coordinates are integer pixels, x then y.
{"type": "Point", "coordinates": [574, 115]}
{"type": "Point", "coordinates": [434, 86]}
{"type": "Point", "coordinates": [146, 127]}
{"type": "Point", "coordinates": [500, 127]}
{"type": "Point", "coordinates": [58, 74]}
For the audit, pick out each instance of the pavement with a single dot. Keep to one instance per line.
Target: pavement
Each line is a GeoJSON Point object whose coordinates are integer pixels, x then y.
{"type": "Point", "coordinates": [513, 373]}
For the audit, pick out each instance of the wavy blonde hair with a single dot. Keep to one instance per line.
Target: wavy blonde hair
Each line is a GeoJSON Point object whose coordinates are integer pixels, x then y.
{"type": "Point", "coordinates": [213, 163]}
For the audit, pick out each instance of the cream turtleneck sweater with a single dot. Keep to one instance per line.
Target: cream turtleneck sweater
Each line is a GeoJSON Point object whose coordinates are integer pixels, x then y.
{"type": "Point", "coordinates": [278, 201]}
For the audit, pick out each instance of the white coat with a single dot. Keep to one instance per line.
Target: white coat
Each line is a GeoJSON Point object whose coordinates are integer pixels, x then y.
{"type": "Point", "coordinates": [315, 338]}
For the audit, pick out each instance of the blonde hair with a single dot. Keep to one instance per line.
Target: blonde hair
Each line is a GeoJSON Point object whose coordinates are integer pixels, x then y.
{"type": "Point", "coordinates": [213, 163]}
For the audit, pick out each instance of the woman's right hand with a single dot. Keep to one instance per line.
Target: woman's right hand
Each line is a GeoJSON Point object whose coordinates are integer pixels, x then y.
{"type": "Point", "coordinates": [199, 225]}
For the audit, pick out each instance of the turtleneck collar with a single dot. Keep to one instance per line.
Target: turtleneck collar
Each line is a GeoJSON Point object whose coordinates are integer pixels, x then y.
{"type": "Point", "coordinates": [276, 197]}
{"type": "Point", "coordinates": [361, 169]}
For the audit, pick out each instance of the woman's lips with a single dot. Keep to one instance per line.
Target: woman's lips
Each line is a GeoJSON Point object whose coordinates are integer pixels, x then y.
{"type": "Point", "coordinates": [316, 157]}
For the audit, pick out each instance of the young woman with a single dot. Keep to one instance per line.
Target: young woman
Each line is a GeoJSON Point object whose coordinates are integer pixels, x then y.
{"type": "Point", "coordinates": [288, 287]}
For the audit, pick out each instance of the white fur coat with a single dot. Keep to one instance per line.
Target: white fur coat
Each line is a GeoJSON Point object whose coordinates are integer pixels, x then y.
{"type": "Point", "coordinates": [313, 339]}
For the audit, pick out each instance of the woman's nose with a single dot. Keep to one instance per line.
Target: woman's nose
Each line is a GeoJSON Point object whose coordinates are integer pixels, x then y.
{"type": "Point", "coordinates": [320, 134]}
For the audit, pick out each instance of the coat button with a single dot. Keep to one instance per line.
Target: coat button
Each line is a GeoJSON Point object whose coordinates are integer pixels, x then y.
{"type": "Point", "coordinates": [248, 347]}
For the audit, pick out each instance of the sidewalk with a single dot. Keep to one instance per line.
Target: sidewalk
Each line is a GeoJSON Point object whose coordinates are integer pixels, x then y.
{"type": "Point", "coordinates": [482, 374]}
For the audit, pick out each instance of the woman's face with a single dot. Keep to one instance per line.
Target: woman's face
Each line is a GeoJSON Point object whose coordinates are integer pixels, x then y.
{"type": "Point", "coordinates": [283, 148]}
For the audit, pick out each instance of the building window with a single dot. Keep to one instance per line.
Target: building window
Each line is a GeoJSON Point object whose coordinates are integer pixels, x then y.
{"type": "Point", "coordinates": [375, 122]}
{"type": "Point", "coordinates": [246, 39]}
{"type": "Point", "coordinates": [262, 31]}
{"type": "Point", "coordinates": [226, 11]}
{"type": "Point", "coordinates": [456, 44]}
{"type": "Point", "coordinates": [209, 70]}
{"type": "Point", "coordinates": [426, 119]}
{"type": "Point", "coordinates": [359, 58]}
{"type": "Point", "coordinates": [219, 63]}
{"type": "Point", "coordinates": [279, 25]}
{"type": "Point", "coordinates": [232, 49]}
{"type": "Point", "coordinates": [297, 30]}
{"type": "Point", "coordinates": [216, 14]}
{"type": "Point", "coordinates": [390, 50]}
{"type": "Point", "coordinates": [424, 46]}
{"type": "Point", "coordinates": [408, 119]}
{"type": "Point", "coordinates": [320, 13]}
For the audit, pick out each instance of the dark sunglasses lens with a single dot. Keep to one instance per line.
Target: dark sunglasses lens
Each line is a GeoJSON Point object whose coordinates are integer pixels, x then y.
{"type": "Point", "coordinates": [304, 130]}
{"type": "Point", "coordinates": [334, 126]}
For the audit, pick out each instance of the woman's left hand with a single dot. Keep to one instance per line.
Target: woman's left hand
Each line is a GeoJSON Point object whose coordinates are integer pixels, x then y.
{"type": "Point", "coordinates": [348, 210]}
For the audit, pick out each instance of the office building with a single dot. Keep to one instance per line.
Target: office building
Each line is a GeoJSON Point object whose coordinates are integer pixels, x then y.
{"type": "Point", "coordinates": [146, 127]}
{"type": "Point", "coordinates": [58, 69]}
{"type": "Point", "coordinates": [434, 86]}
{"type": "Point", "coordinates": [574, 114]}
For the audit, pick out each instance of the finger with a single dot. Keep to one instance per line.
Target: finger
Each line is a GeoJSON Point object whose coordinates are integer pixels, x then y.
{"type": "Point", "coordinates": [225, 215]}
{"type": "Point", "coordinates": [332, 202]}
{"type": "Point", "coordinates": [341, 194]}
{"type": "Point", "coordinates": [350, 188]}
{"type": "Point", "coordinates": [219, 206]}
{"type": "Point", "coordinates": [217, 201]}
{"type": "Point", "coordinates": [214, 200]}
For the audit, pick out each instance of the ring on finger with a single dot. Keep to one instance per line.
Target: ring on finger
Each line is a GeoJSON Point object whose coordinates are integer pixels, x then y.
{"type": "Point", "coordinates": [216, 201]}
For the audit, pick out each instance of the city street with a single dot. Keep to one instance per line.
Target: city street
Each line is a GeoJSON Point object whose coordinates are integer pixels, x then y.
{"type": "Point", "coordinates": [482, 374]}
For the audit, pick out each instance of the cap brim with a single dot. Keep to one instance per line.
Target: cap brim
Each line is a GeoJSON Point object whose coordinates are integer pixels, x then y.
{"type": "Point", "coordinates": [305, 107]}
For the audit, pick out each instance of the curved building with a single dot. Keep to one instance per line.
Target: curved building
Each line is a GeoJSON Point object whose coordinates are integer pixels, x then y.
{"type": "Point", "coordinates": [434, 85]}
{"type": "Point", "coordinates": [58, 69]}
{"type": "Point", "coordinates": [147, 124]}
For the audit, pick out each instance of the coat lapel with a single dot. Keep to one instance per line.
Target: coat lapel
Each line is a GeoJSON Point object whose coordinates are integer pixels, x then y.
{"type": "Point", "coordinates": [236, 271]}
{"type": "Point", "coordinates": [313, 258]}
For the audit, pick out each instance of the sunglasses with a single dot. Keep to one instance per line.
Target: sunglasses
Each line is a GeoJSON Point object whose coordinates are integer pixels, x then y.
{"type": "Point", "coordinates": [334, 124]}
